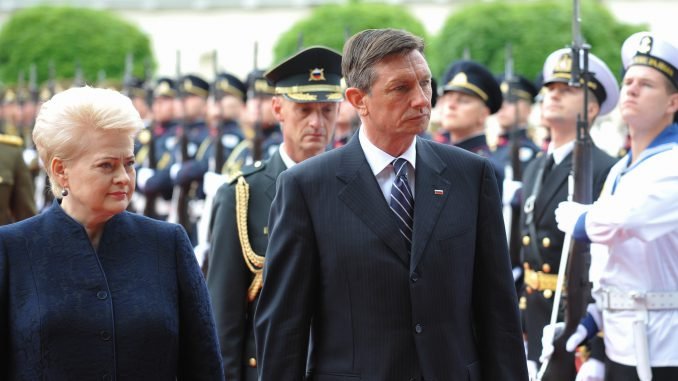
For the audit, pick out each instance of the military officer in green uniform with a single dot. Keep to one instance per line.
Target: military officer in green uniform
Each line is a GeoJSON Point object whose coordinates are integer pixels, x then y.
{"type": "Point", "coordinates": [306, 105]}
{"type": "Point", "coordinates": [16, 183]}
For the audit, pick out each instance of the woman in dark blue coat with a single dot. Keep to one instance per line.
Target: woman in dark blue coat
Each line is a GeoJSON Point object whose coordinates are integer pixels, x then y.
{"type": "Point", "coordinates": [87, 290]}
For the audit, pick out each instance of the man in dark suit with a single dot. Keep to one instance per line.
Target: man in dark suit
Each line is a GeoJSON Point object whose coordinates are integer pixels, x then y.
{"type": "Point", "coordinates": [307, 108]}
{"type": "Point", "coordinates": [374, 275]}
{"type": "Point", "coordinates": [545, 184]}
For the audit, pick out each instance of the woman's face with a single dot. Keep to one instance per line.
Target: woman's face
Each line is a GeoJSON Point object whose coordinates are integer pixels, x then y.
{"type": "Point", "coordinates": [101, 179]}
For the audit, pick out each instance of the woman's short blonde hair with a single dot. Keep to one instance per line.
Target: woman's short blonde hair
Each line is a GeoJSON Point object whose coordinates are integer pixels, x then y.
{"type": "Point", "coordinates": [68, 116]}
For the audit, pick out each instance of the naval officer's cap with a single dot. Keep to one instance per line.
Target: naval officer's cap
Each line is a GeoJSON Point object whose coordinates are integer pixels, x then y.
{"type": "Point", "coordinates": [311, 75]}
{"type": "Point", "coordinates": [475, 79]}
{"type": "Point", "coordinates": [520, 88]}
{"type": "Point", "coordinates": [603, 84]}
{"type": "Point", "coordinates": [227, 83]}
{"type": "Point", "coordinates": [192, 84]}
{"type": "Point", "coordinates": [165, 87]}
{"type": "Point", "coordinates": [647, 49]}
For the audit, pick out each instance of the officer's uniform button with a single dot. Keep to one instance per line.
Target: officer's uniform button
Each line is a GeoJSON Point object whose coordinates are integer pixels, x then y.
{"type": "Point", "coordinates": [414, 277]}
{"type": "Point", "coordinates": [257, 164]}
{"type": "Point", "coordinates": [418, 328]}
{"type": "Point", "coordinates": [526, 240]}
{"type": "Point", "coordinates": [105, 335]}
{"type": "Point", "coordinates": [546, 242]}
{"type": "Point", "coordinates": [252, 362]}
{"type": "Point", "coordinates": [548, 294]}
{"type": "Point", "coordinates": [546, 268]}
{"type": "Point", "coordinates": [102, 295]}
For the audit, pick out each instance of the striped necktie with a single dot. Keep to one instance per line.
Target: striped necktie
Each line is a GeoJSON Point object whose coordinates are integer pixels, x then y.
{"type": "Point", "coordinates": [402, 202]}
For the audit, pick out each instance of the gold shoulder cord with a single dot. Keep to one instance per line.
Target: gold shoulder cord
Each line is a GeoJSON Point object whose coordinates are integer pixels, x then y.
{"type": "Point", "coordinates": [253, 261]}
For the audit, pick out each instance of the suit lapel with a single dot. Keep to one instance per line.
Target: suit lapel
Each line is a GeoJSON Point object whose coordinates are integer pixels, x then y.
{"type": "Point", "coordinates": [362, 195]}
{"type": "Point", "coordinates": [431, 192]}
{"type": "Point", "coordinates": [273, 168]}
{"type": "Point", "coordinates": [552, 184]}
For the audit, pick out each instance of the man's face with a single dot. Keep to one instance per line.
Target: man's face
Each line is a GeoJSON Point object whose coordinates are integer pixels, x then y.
{"type": "Point", "coordinates": [345, 119]}
{"type": "Point", "coordinates": [195, 107]}
{"type": "Point", "coordinates": [506, 116]}
{"type": "Point", "coordinates": [645, 98]}
{"type": "Point", "coordinates": [399, 102]}
{"type": "Point", "coordinates": [462, 112]}
{"type": "Point", "coordinates": [163, 109]}
{"type": "Point", "coordinates": [562, 103]}
{"type": "Point", "coordinates": [306, 127]}
{"type": "Point", "coordinates": [258, 109]}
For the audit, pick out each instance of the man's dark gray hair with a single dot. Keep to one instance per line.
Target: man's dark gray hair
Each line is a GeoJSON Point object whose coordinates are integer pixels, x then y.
{"type": "Point", "coordinates": [367, 48]}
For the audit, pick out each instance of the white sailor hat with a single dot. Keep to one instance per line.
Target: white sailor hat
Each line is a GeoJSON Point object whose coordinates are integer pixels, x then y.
{"type": "Point", "coordinates": [647, 49]}
{"type": "Point", "coordinates": [603, 84]}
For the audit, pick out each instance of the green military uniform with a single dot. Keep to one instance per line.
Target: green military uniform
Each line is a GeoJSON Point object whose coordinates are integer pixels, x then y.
{"type": "Point", "coordinates": [16, 186]}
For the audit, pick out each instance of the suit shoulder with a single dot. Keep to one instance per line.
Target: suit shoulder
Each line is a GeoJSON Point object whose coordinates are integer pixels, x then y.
{"type": "Point", "coordinates": [11, 140]}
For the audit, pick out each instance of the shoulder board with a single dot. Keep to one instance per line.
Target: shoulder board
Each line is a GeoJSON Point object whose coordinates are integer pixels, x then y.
{"type": "Point", "coordinates": [249, 170]}
{"type": "Point", "coordinates": [11, 140]}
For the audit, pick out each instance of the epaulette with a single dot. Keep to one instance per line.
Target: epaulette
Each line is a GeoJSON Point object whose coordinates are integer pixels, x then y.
{"type": "Point", "coordinates": [11, 140]}
{"type": "Point", "coordinates": [248, 170]}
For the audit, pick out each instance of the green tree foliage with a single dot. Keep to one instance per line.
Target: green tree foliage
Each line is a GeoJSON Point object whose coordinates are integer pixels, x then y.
{"type": "Point", "coordinates": [331, 25]}
{"type": "Point", "coordinates": [534, 29]}
{"type": "Point", "coordinates": [97, 40]}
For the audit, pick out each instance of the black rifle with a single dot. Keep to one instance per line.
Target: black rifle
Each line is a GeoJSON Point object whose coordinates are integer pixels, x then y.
{"type": "Point", "coordinates": [79, 80]}
{"type": "Point", "coordinates": [258, 141]}
{"type": "Point", "coordinates": [180, 193]}
{"type": "Point", "coordinates": [128, 76]}
{"type": "Point", "coordinates": [34, 98]}
{"type": "Point", "coordinates": [21, 102]}
{"type": "Point", "coordinates": [577, 290]}
{"type": "Point", "coordinates": [219, 157]}
{"type": "Point", "coordinates": [151, 158]}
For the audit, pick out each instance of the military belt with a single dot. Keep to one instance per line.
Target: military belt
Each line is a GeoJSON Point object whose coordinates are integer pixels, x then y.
{"type": "Point", "coordinates": [540, 281]}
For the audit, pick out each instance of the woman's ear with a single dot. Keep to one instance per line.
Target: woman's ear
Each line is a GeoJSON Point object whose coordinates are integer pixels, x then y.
{"type": "Point", "coordinates": [59, 171]}
{"type": "Point", "coordinates": [357, 98]}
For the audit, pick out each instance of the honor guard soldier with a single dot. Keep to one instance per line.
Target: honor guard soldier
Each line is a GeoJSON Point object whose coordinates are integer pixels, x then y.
{"type": "Point", "coordinates": [259, 125]}
{"type": "Point", "coordinates": [636, 219]}
{"type": "Point", "coordinates": [546, 183]}
{"type": "Point", "coordinates": [157, 147]}
{"type": "Point", "coordinates": [306, 105]}
{"type": "Point", "coordinates": [16, 183]}
{"type": "Point", "coordinates": [470, 94]}
{"type": "Point", "coordinates": [514, 150]}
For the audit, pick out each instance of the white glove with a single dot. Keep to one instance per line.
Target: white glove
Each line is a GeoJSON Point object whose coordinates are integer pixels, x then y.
{"type": "Point", "coordinates": [591, 370]}
{"type": "Point", "coordinates": [509, 191]}
{"type": "Point", "coordinates": [174, 170]}
{"type": "Point", "coordinates": [567, 214]}
{"type": "Point", "coordinates": [532, 370]}
{"type": "Point", "coordinates": [143, 174]}
{"type": "Point", "coordinates": [552, 331]}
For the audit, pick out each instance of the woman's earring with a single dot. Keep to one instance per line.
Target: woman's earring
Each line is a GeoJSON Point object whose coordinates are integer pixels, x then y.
{"type": "Point", "coordinates": [64, 192]}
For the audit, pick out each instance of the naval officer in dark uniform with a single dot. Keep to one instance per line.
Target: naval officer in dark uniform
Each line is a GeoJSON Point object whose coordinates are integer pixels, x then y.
{"type": "Point", "coordinates": [545, 184]}
{"type": "Point", "coordinates": [307, 104]}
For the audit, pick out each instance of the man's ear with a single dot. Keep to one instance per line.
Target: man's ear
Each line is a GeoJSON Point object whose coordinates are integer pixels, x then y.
{"type": "Point", "coordinates": [673, 103]}
{"type": "Point", "coordinates": [357, 98]}
{"type": "Point", "coordinates": [59, 171]}
{"type": "Point", "coordinates": [593, 110]}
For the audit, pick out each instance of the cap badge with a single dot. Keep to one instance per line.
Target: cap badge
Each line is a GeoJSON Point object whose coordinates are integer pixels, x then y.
{"type": "Point", "coordinates": [564, 63]}
{"type": "Point", "coordinates": [504, 87]}
{"type": "Point", "coordinates": [459, 79]}
{"type": "Point", "coordinates": [188, 85]}
{"type": "Point", "coordinates": [163, 88]}
{"type": "Point", "coordinates": [316, 75]}
{"type": "Point", "coordinates": [645, 45]}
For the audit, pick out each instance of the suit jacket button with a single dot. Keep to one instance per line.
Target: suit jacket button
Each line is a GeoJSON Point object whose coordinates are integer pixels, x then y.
{"type": "Point", "coordinates": [252, 362]}
{"type": "Point", "coordinates": [414, 277]}
{"type": "Point", "coordinates": [418, 328]}
{"type": "Point", "coordinates": [102, 295]}
{"type": "Point", "coordinates": [105, 336]}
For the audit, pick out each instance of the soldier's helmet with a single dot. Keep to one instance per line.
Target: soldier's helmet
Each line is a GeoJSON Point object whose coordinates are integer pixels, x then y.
{"type": "Point", "coordinates": [519, 88]}
{"type": "Point", "coordinates": [192, 84]}
{"type": "Point", "coordinates": [258, 85]}
{"type": "Point", "coordinates": [165, 87]}
{"type": "Point", "coordinates": [226, 83]}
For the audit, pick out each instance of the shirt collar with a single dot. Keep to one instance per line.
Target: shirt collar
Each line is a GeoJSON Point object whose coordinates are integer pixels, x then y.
{"type": "Point", "coordinates": [378, 159]}
{"type": "Point", "coordinates": [560, 153]}
{"type": "Point", "coordinates": [287, 160]}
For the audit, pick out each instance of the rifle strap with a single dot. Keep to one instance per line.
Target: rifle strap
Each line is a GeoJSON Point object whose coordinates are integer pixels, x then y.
{"type": "Point", "coordinates": [254, 262]}
{"type": "Point", "coordinates": [529, 212]}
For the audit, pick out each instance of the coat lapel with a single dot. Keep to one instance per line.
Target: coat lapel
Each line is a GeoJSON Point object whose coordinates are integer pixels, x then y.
{"type": "Point", "coordinates": [362, 195]}
{"type": "Point", "coordinates": [431, 192]}
{"type": "Point", "coordinates": [552, 184]}
{"type": "Point", "coordinates": [273, 168]}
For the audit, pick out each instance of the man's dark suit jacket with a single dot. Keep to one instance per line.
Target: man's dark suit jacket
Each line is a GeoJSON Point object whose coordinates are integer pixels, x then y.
{"type": "Point", "coordinates": [337, 264]}
{"type": "Point", "coordinates": [229, 277]}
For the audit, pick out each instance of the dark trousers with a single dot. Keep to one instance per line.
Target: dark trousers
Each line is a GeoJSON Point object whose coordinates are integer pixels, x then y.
{"type": "Point", "coordinates": [618, 372]}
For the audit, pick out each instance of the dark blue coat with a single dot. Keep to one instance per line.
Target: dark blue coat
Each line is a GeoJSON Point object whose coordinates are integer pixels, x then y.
{"type": "Point", "coordinates": [136, 309]}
